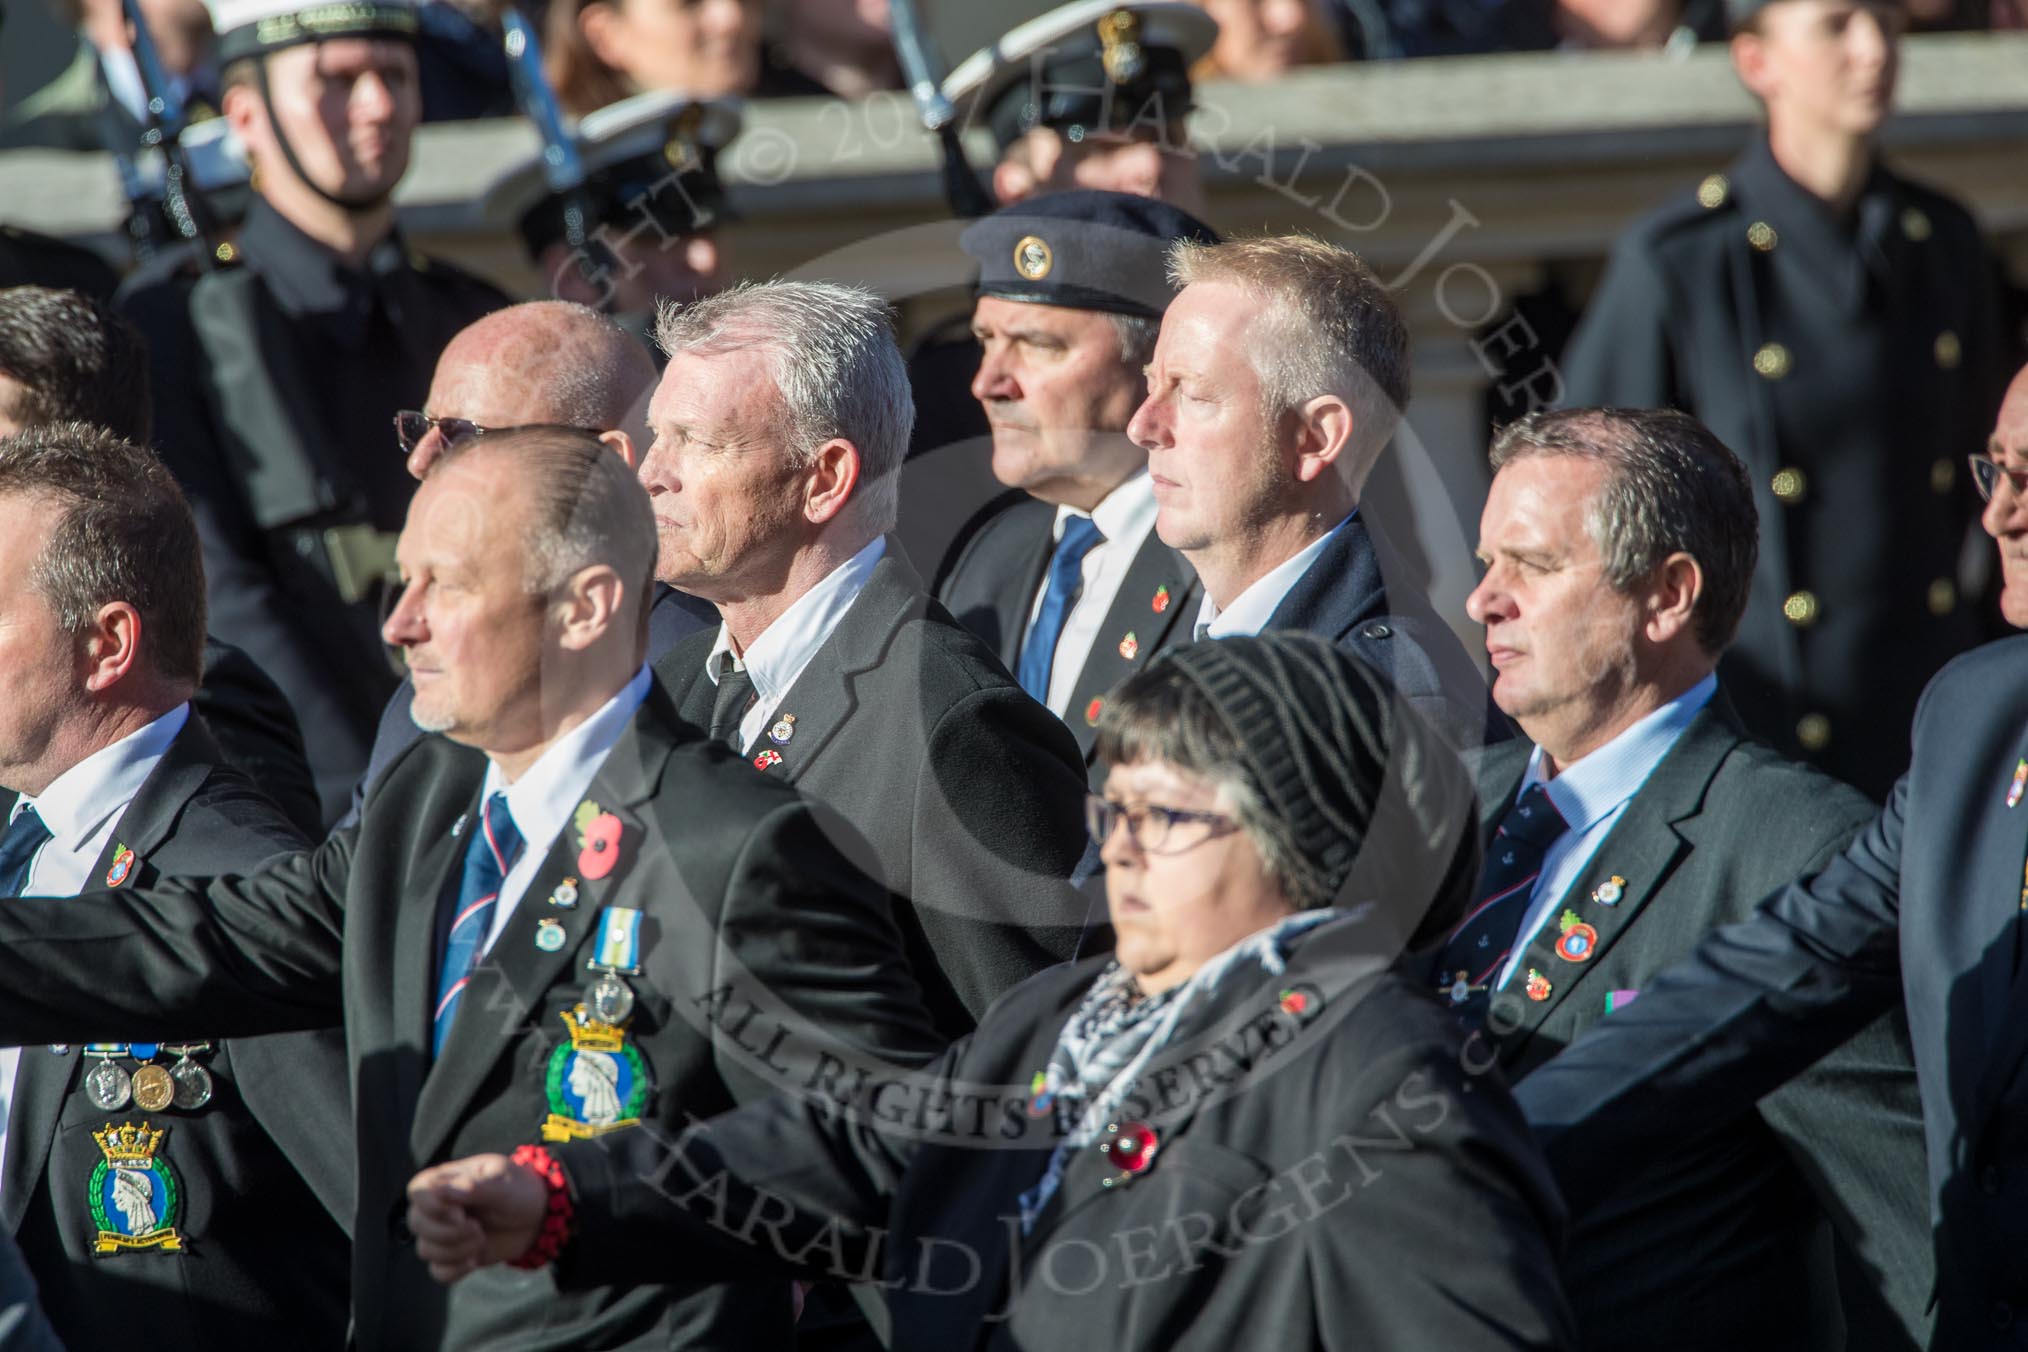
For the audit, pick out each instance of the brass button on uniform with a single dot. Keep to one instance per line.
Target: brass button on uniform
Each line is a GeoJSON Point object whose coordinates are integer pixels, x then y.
{"type": "Point", "coordinates": [1790, 484]}
{"type": "Point", "coordinates": [1800, 609]}
{"type": "Point", "coordinates": [1949, 351]}
{"type": "Point", "coordinates": [1943, 596]}
{"type": "Point", "coordinates": [1915, 224]}
{"type": "Point", "coordinates": [1813, 732]}
{"type": "Point", "coordinates": [1772, 361]}
{"type": "Point", "coordinates": [1713, 191]}
{"type": "Point", "coordinates": [1761, 236]}
{"type": "Point", "coordinates": [1943, 475]}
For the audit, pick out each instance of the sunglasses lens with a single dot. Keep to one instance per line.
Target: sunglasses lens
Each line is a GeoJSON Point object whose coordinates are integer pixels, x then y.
{"type": "Point", "coordinates": [456, 430]}
{"type": "Point", "coordinates": [410, 427]}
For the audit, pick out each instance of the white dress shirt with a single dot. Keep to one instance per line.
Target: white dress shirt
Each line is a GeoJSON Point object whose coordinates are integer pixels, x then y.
{"type": "Point", "coordinates": [1591, 794]}
{"type": "Point", "coordinates": [80, 807]}
{"type": "Point", "coordinates": [543, 800]}
{"type": "Point", "coordinates": [1123, 519]}
{"type": "Point", "coordinates": [784, 648]}
{"type": "Point", "coordinates": [1253, 608]}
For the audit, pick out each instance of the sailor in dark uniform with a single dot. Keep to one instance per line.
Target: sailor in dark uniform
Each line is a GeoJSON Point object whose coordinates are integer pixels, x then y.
{"type": "Point", "coordinates": [1836, 325]}
{"type": "Point", "coordinates": [652, 203]}
{"type": "Point", "coordinates": [276, 376]}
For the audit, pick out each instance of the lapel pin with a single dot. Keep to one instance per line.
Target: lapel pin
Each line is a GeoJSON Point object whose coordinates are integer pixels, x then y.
{"type": "Point", "coordinates": [1041, 1098]}
{"type": "Point", "coordinates": [123, 866]}
{"type": "Point", "coordinates": [549, 934]}
{"type": "Point", "coordinates": [1538, 986]}
{"type": "Point", "coordinates": [1294, 1002]}
{"type": "Point", "coordinates": [2020, 782]}
{"type": "Point", "coordinates": [784, 728]}
{"type": "Point", "coordinates": [458, 826]}
{"type": "Point", "coordinates": [1161, 601]}
{"type": "Point", "coordinates": [1092, 711]}
{"type": "Point", "coordinates": [1130, 1147]}
{"type": "Point", "coordinates": [1609, 892]}
{"type": "Point", "coordinates": [598, 839]}
{"type": "Point", "coordinates": [768, 759]}
{"type": "Point", "coordinates": [1619, 999]}
{"type": "Point", "coordinates": [1579, 939]}
{"type": "Point", "coordinates": [1460, 989]}
{"type": "Point", "coordinates": [1129, 646]}
{"type": "Point", "coordinates": [565, 894]}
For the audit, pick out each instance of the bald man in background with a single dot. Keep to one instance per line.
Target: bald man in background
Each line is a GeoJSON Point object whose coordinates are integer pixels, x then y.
{"type": "Point", "coordinates": [545, 361]}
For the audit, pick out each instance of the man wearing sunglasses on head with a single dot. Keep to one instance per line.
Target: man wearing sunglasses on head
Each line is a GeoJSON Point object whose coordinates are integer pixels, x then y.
{"type": "Point", "coordinates": [543, 362]}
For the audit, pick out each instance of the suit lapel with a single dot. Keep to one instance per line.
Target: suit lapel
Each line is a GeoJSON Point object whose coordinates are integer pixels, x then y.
{"type": "Point", "coordinates": [1151, 606]}
{"type": "Point", "coordinates": [512, 980]}
{"type": "Point", "coordinates": [43, 1078]}
{"type": "Point", "coordinates": [1632, 862]}
{"type": "Point", "coordinates": [1340, 589]}
{"type": "Point", "coordinates": [2002, 877]}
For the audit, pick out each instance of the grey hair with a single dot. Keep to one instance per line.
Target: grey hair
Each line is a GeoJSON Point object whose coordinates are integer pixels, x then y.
{"type": "Point", "coordinates": [835, 365]}
{"type": "Point", "coordinates": [1137, 335]}
{"type": "Point", "coordinates": [1168, 719]}
{"type": "Point", "coordinates": [1671, 486]}
{"type": "Point", "coordinates": [1327, 325]}
{"type": "Point", "coordinates": [586, 507]}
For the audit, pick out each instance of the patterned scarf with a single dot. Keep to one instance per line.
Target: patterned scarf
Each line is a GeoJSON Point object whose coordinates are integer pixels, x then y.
{"type": "Point", "coordinates": [1113, 1035]}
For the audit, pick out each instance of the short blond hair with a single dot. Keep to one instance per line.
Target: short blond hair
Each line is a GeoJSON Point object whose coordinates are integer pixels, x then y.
{"type": "Point", "coordinates": [1327, 325]}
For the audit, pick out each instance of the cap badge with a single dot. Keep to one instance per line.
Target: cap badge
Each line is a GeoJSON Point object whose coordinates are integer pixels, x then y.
{"type": "Point", "coordinates": [1119, 35]}
{"type": "Point", "coordinates": [1033, 258]}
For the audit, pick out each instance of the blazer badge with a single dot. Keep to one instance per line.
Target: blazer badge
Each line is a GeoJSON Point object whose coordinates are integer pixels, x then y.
{"type": "Point", "coordinates": [2020, 782]}
{"type": "Point", "coordinates": [597, 1082]}
{"type": "Point", "coordinates": [1579, 940]}
{"type": "Point", "coordinates": [134, 1196]}
{"type": "Point", "coordinates": [123, 865]}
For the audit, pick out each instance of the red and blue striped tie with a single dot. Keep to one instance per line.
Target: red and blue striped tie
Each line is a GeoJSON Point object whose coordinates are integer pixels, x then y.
{"type": "Point", "coordinates": [1480, 945]}
{"type": "Point", "coordinates": [488, 858]}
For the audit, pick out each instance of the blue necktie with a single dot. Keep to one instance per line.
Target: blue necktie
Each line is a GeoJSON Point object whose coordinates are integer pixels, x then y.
{"type": "Point", "coordinates": [18, 843]}
{"type": "Point", "coordinates": [1481, 943]}
{"type": "Point", "coordinates": [493, 849]}
{"type": "Point", "coordinates": [1066, 579]}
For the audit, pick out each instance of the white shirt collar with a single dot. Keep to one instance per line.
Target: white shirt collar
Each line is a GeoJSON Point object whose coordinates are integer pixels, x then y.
{"type": "Point", "coordinates": [1123, 514]}
{"type": "Point", "coordinates": [550, 790]}
{"type": "Point", "coordinates": [1251, 610]}
{"type": "Point", "coordinates": [80, 801]}
{"type": "Point", "coordinates": [784, 648]}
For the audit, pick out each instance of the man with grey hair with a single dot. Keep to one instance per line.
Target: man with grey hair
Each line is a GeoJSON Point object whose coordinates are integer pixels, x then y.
{"type": "Point", "coordinates": [569, 869]}
{"type": "Point", "coordinates": [541, 362]}
{"type": "Point", "coordinates": [1063, 576]}
{"type": "Point", "coordinates": [1638, 816]}
{"type": "Point", "coordinates": [780, 423]}
{"type": "Point", "coordinates": [1280, 374]}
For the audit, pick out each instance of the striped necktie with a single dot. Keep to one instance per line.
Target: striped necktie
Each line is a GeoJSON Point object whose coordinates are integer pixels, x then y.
{"type": "Point", "coordinates": [491, 853]}
{"type": "Point", "coordinates": [1479, 947]}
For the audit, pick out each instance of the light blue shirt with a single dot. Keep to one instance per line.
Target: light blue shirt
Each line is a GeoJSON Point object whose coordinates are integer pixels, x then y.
{"type": "Point", "coordinates": [1591, 793]}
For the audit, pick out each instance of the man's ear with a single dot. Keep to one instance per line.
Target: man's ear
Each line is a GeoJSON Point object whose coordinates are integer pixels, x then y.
{"type": "Point", "coordinates": [1324, 428]}
{"type": "Point", "coordinates": [590, 606]}
{"type": "Point", "coordinates": [831, 480]}
{"type": "Point", "coordinates": [1672, 595]}
{"type": "Point", "coordinates": [112, 646]}
{"type": "Point", "coordinates": [623, 446]}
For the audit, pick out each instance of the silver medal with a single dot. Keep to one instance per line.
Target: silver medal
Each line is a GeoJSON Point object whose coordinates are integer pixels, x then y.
{"type": "Point", "coordinates": [611, 999]}
{"type": "Point", "coordinates": [108, 1087]}
{"type": "Point", "coordinates": [193, 1084]}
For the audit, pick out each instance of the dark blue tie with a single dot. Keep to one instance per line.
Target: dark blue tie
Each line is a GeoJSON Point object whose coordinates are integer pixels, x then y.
{"type": "Point", "coordinates": [18, 843]}
{"type": "Point", "coordinates": [491, 853]}
{"type": "Point", "coordinates": [1481, 943]}
{"type": "Point", "coordinates": [1066, 579]}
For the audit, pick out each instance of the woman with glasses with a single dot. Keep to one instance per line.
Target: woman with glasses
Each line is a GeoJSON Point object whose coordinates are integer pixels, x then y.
{"type": "Point", "coordinates": [1241, 1128]}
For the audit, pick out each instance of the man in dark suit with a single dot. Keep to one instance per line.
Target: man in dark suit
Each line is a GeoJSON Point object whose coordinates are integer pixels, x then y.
{"type": "Point", "coordinates": [146, 1180]}
{"type": "Point", "coordinates": [1923, 911]}
{"type": "Point", "coordinates": [1280, 374]}
{"type": "Point", "coordinates": [1064, 577]}
{"type": "Point", "coordinates": [1837, 325]}
{"type": "Point", "coordinates": [275, 375]}
{"type": "Point", "coordinates": [567, 915]}
{"type": "Point", "coordinates": [1619, 547]}
{"type": "Point", "coordinates": [780, 423]}
{"type": "Point", "coordinates": [542, 361]}
{"type": "Point", "coordinates": [65, 357]}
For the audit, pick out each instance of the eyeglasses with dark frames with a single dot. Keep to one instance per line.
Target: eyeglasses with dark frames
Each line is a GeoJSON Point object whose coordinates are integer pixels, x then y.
{"type": "Point", "coordinates": [412, 425]}
{"type": "Point", "coordinates": [1153, 828]}
{"type": "Point", "coordinates": [1987, 473]}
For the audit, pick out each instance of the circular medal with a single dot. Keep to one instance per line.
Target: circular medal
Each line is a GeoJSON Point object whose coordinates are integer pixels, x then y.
{"type": "Point", "coordinates": [153, 1089]}
{"type": "Point", "coordinates": [549, 934]}
{"type": "Point", "coordinates": [611, 999]}
{"type": "Point", "coordinates": [108, 1087]}
{"type": "Point", "coordinates": [193, 1084]}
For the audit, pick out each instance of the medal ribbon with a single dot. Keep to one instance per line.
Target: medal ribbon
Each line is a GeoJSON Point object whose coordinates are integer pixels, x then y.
{"type": "Point", "coordinates": [619, 945]}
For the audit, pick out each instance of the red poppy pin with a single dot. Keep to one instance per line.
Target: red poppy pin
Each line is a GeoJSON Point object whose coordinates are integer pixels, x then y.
{"type": "Point", "coordinates": [1130, 1147]}
{"type": "Point", "coordinates": [598, 840]}
{"type": "Point", "coordinates": [123, 866]}
{"type": "Point", "coordinates": [1579, 940]}
{"type": "Point", "coordinates": [1294, 1002]}
{"type": "Point", "coordinates": [767, 760]}
{"type": "Point", "coordinates": [1092, 711]}
{"type": "Point", "coordinates": [1129, 646]}
{"type": "Point", "coordinates": [1538, 985]}
{"type": "Point", "coordinates": [1161, 601]}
